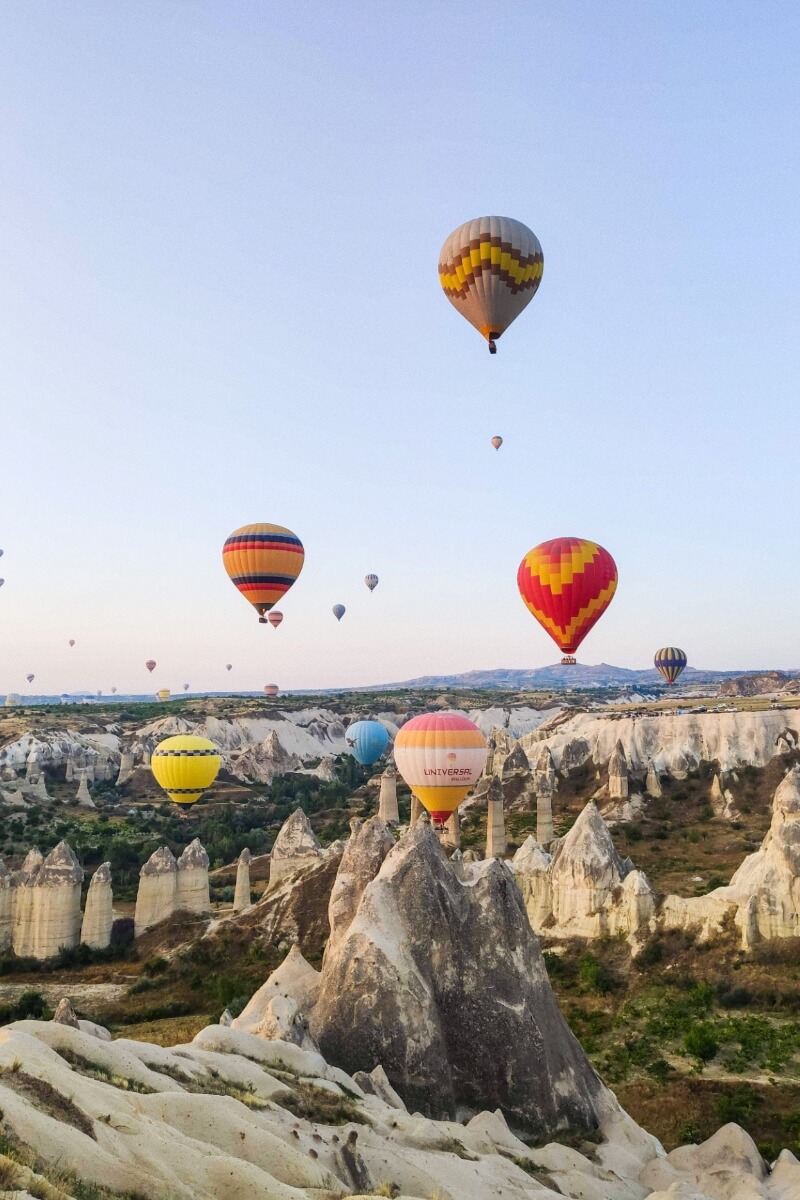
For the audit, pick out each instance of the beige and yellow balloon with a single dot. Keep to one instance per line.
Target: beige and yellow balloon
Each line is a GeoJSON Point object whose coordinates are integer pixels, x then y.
{"type": "Point", "coordinates": [185, 766]}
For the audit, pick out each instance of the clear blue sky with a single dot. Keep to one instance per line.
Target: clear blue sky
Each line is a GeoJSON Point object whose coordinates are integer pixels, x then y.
{"type": "Point", "coordinates": [219, 304]}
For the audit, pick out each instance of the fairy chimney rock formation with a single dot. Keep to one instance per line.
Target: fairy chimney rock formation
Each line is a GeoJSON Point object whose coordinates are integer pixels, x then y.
{"type": "Point", "coordinates": [531, 866]}
{"type": "Point", "coordinates": [241, 895]}
{"type": "Point", "coordinates": [126, 767]}
{"type": "Point", "coordinates": [495, 821]}
{"type": "Point", "coordinates": [387, 805]}
{"type": "Point", "coordinates": [409, 951]}
{"type": "Point", "coordinates": [192, 889]}
{"type": "Point", "coordinates": [451, 834]}
{"type": "Point", "coordinates": [98, 915]}
{"type": "Point", "coordinates": [491, 746]}
{"type": "Point", "coordinates": [618, 774]}
{"type": "Point", "coordinates": [416, 809]}
{"type": "Point", "coordinates": [48, 903]}
{"type": "Point", "coordinates": [83, 798]}
{"type": "Point", "coordinates": [65, 1014]}
{"type": "Point", "coordinates": [6, 908]}
{"type": "Point", "coordinates": [652, 785]}
{"type": "Point", "coordinates": [296, 847]}
{"type": "Point", "coordinates": [155, 898]}
{"type": "Point", "coordinates": [544, 785]}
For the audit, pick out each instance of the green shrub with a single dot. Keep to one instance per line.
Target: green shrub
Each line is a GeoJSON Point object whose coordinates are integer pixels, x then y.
{"type": "Point", "coordinates": [701, 1043]}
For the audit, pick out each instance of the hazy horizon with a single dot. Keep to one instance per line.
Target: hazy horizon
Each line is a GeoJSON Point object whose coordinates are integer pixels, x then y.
{"type": "Point", "coordinates": [220, 304]}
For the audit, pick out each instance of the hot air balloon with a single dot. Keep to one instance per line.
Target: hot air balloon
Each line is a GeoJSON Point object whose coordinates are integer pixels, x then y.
{"type": "Point", "coordinates": [275, 618]}
{"type": "Point", "coordinates": [1, 553]}
{"type": "Point", "coordinates": [185, 766]}
{"type": "Point", "coordinates": [2, 581]}
{"type": "Point", "coordinates": [271, 690]}
{"type": "Point", "coordinates": [113, 691]}
{"type": "Point", "coordinates": [186, 687]}
{"type": "Point", "coordinates": [497, 442]}
{"type": "Point", "coordinates": [151, 665]}
{"type": "Point", "coordinates": [371, 581]}
{"type": "Point", "coordinates": [366, 741]}
{"type": "Point", "coordinates": [338, 611]}
{"type": "Point", "coordinates": [263, 561]}
{"type": "Point", "coordinates": [30, 678]}
{"type": "Point", "coordinates": [228, 666]}
{"type": "Point", "coordinates": [490, 269]}
{"type": "Point", "coordinates": [567, 584]}
{"type": "Point", "coordinates": [72, 641]}
{"type": "Point", "coordinates": [670, 661]}
{"type": "Point", "coordinates": [163, 694]}
{"type": "Point", "coordinates": [440, 756]}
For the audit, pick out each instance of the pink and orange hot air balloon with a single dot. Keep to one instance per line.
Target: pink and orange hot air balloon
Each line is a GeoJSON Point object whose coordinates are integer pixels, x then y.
{"type": "Point", "coordinates": [567, 583]}
{"type": "Point", "coordinates": [275, 618]}
{"type": "Point", "coordinates": [263, 561]}
{"type": "Point", "coordinates": [271, 690]}
{"type": "Point", "coordinates": [441, 756]}
{"type": "Point", "coordinates": [151, 665]}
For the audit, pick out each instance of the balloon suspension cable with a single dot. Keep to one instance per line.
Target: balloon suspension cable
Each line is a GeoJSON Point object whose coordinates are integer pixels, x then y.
{"type": "Point", "coordinates": [492, 346]}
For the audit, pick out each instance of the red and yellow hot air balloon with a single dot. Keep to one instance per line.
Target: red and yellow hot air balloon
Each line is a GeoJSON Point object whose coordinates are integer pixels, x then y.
{"type": "Point", "coordinates": [441, 756]}
{"type": "Point", "coordinates": [567, 583]}
{"type": "Point", "coordinates": [275, 618]}
{"type": "Point", "coordinates": [271, 690]}
{"type": "Point", "coordinates": [489, 270]}
{"type": "Point", "coordinates": [263, 561]}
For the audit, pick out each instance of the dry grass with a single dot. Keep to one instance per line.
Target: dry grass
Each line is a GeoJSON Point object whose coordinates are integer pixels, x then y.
{"type": "Point", "coordinates": [171, 1031]}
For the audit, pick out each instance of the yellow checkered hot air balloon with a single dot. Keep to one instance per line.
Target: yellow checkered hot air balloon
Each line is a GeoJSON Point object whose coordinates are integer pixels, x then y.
{"type": "Point", "coordinates": [489, 270]}
{"type": "Point", "coordinates": [184, 766]}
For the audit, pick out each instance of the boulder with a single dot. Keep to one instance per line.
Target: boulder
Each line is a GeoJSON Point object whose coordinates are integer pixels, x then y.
{"type": "Point", "coordinates": [408, 957]}
{"type": "Point", "coordinates": [65, 1014]}
{"type": "Point", "coordinates": [296, 847]}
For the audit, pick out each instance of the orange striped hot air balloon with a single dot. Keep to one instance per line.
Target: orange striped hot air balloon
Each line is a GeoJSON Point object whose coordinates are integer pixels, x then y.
{"type": "Point", "coordinates": [263, 561]}
{"type": "Point", "coordinates": [440, 756]}
{"type": "Point", "coordinates": [567, 584]}
{"type": "Point", "coordinates": [271, 690]}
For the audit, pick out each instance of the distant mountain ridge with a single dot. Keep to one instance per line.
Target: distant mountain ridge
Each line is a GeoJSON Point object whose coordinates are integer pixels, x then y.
{"type": "Point", "coordinates": [561, 678]}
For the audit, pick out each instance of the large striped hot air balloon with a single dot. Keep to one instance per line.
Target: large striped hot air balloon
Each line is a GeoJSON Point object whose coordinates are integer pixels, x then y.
{"type": "Point", "coordinates": [567, 584]}
{"type": "Point", "coordinates": [185, 766]}
{"type": "Point", "coordinates": [366, 741]}
{"type": "Point", "coordinates": [263, 561]}
{"type": "Point", "coordinates": [490, 269]}
{"type": "Point", "coordinates": [670, 661]}
{"type": "Point", "coordinates": [440, 756]}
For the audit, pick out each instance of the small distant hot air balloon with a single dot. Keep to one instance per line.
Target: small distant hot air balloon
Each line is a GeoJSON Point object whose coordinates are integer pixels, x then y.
{"type": "Point", "coordinates": [1, 553]}
{"type": "Point", "coordinates": [163, 694]}
{"type": "Point", "coordinates": [490, 269]}
{"type": "Point", "coordinates": [271, 689]}
{"type": "Point", "coordinates": [30, 678]}
{"type": "Point", "coordinates": [275, 618]}
{"type": "Point", "coordinates": [567, 584]}
{"type": "Point", "coordinates": [371, 581]}
{"type": "Point", "coordinates": [185, 766]}
{"type": "Point", "coordinates": [151, 665]}
{"type": "Point", "coordinates": [113, 691]}
{"type": "Point", "coordinates": [2, 581]}
{"type": "Point", "coordinates": [497, 442]}
{"type": "Point", "coordinates": [366, 741]}
{"type": "Point", "coordinates": [72, 641]}
{"type": "Point", "coordinates": [186, 687]}
{"type": "Point", "coordinates": [338, 611]}
{"type": "Point", "coordinates": [263, 561]}
{"type": "Point", "coordinates": [440, 756]}
{"type": "Point", "coordinates": [670, 661]}
{"type": "Point", "coordinates": [228, 666]}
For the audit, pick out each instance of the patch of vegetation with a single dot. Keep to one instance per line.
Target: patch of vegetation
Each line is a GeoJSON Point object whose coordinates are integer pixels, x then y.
{"type": "Point", "coordinates": [318, 1104]}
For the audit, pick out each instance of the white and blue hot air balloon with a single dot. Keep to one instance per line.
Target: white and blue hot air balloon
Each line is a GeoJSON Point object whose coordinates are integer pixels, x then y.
{"type": "Point", "coordinates": [366, 741]}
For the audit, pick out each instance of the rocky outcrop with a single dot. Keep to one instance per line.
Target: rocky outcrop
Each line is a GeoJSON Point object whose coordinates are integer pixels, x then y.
{"type": "Point", "coordinates": [722, 801]}
{"type": "Point", "coordinates": [585, 889]}
{"type": "Point", "coordinates": [387, 804]}
{"type": "Point", "coordinates": [618, 774]}
{"type": "Point", "coordinates": [757, 684]}
{"type": "Point", "coordinates": [84, 799]}
{"type": "Point", "coordinates": [296, 847]}
{"type": "Point", "coordinates": [47, 903]}
{"type": "Point", "coordinates": [652, 784]}
{"type": "Point", "coordinates": [155, 899]}
{"type": "Point", "coordinates": [6, 908]}
{"type": "Point", "coordinates": [407, 955]}
{"type": "Point", "coordinates": [278, 1009]}
{"type": "Point", "coordinates": [191, 883]}
{"type": "Point", "coordinates": [544, 787]}
{"type": "Point", "coordinates": [65, 1014]}
{"type": "Point", "coordinates": [98, 916]}
{"type": "Point", "coordinates": [241, 894]}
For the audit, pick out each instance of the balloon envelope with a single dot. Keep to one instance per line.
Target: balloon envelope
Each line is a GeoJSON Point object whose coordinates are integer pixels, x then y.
{"type": "Point", "coordinates": [113, 691]}
{"type": "Point", "coordinates": [366, 741]}
{"type": "Point", "coordinates": [30, 678]}
{"type": "Point", "coordinates": [670, 661]}
{"type": "Point", "coordinates": [371, 581]}
{"type": "Point", "coordinates": [151, 665]}
{"type": "Point", "coordinates": [275, 618]}
{"type": "Point", "coordinates": [567, 583]}
{"type": "Point", "coordinates": [338, 611]}
{"type": "Point", "coordinates": [185, 766]}
{"type": "Point", "coordinates": [186, 687]}
{"type": "Point", "coordinates": [72, 641]}
{"type": "Point", "coordinates": [263, 561]}
{"type": "Point", "coordinates": [271, 689]}
{"type": "Point", "coordinates": [440, 756]}
{"type": "Point", "coordinates": [228, 666]}
{"type": "Point", "coordinates": [497, 442]}
{"type": "Point", "coordinates": [490, 269]}
{"type": "Point", "coordinates": [163, 694]}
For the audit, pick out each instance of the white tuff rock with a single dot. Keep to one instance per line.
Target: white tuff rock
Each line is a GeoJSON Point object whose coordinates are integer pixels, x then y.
{"type": "Point", "coordinates": [296, 847]}
{"type": "Point", "coordinates": [155, 898]}
{"type": "Point", "coordinates": [192, 888]}
{"type": "Point", "coordinates": [98, 916]}
{"type": "Point", "coordinates": [241, 895]}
